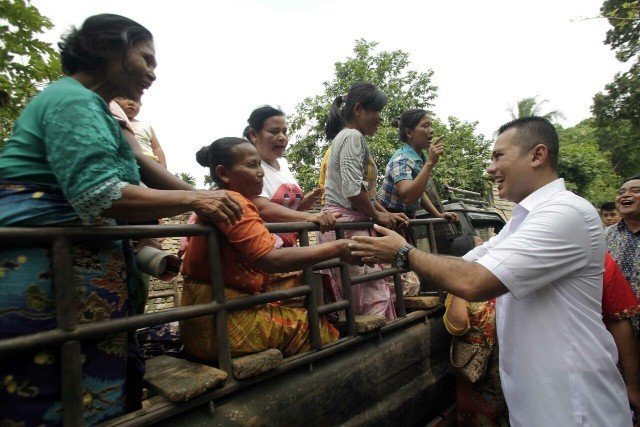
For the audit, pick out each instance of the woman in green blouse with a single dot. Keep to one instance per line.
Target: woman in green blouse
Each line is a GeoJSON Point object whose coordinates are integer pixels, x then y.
{"type": "Point", "coordinates": [68, 163]}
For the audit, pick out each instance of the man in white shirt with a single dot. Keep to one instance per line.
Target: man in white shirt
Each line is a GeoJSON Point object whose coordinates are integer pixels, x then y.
{"type": "Point", "coordinates": [557, 360]}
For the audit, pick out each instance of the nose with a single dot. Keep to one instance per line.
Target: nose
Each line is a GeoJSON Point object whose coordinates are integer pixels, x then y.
{"type": "Point", "coordinates": [491, 169]}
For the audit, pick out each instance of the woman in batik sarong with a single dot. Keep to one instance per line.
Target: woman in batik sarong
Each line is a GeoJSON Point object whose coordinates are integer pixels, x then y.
{"type": "Point", "coordinates": [249, 264]}
{"type": "Point", "coordinates": [68, 163]}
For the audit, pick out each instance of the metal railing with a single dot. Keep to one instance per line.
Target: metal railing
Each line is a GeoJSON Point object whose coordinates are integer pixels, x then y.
{"type": "Point", "coordinates": [69, 333]}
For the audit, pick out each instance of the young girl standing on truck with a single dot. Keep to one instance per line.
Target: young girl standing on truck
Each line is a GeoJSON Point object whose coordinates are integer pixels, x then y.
{"type": "Point", "coordinates": [350, 189]}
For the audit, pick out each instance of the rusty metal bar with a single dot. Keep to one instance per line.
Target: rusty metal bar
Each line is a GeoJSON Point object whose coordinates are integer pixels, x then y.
{"type": "Point", "coordinates": [469, 201]}
{"type": "Point", "coordinates": [432, 239]}
{"type": "Point", "coordinates": [23, 235]}
{"type": "Point", "coordinates": [96, 330]}
{"type": "Point", "coordinates": [217, 292]}
{"type": "Point", "coordinates": [345, 277]}
{"type": "Point", "coordinates": [356, 280]}
{"type": "Point", "coordinates": [66, 316]}
{"type": "Point", "coordinates": [311, 298]}
{"type": "Point", "coordinates": [334, 306]}
{"type": "Point", "coordinates": [331, 263]}
{"type": "Point", "coordinates": [401, 311]}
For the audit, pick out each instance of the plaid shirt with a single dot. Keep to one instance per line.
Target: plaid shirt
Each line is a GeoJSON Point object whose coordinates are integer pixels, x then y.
{"type": "Point", "coordinates": [405, 164]}
{"type": "Point", "coordinates": [624, 246]}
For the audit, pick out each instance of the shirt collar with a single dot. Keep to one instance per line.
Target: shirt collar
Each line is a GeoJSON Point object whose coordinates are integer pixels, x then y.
{"type": "Point", "coordinates": [411, 153]}
{"type": "Point", "coordinates": [542, 194]}
{"type": "Point", "coordinates": [621, 225]}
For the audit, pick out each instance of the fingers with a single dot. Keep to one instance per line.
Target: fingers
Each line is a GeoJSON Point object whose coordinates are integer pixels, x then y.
{"type": "Point", "coordinates": [380, 229]}
{"type": "Point", "coordinates": [363, 240]}
{"type": "Point", "coordinates": [235, 207]}
{"type": "Point", "coordinates": [362, 254]}
{"type": "Point", "coordinates": [222, 213]}
{"type": "Point", "coordinates": [438, 140]}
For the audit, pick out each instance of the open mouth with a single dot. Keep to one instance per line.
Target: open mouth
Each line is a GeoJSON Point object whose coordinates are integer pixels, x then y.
{"type": "Point", "coordinates": [627, 202]}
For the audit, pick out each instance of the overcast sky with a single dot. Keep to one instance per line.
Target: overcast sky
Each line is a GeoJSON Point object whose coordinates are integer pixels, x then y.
{"type": "Point", "coordinates": [218, 60]}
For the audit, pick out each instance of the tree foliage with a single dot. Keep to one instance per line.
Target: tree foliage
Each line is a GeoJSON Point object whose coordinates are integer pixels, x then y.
{"type": "Point", "coordinates": [406, 88]}
{"type": "Point", "coordinates": [617, 109]}
{"type": "Point", "coordinates": [27, 63]}
{"type": "Point", "coordinates": [187, 177]}
{"type": "Point", "coordinates": [585, 167]}
{"type": "Point", "coordinates": [527, 107]}
{"type": "Point", "coordinates": [209, 182]}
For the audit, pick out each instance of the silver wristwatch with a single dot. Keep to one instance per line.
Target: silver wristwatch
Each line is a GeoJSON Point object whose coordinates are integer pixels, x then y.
{"type": "Point", "coordinates": [401, 259]}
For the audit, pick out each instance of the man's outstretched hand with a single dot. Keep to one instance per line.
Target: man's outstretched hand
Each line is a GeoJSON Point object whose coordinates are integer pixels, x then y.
{"type": "Point", "coordinates": [377, 249]}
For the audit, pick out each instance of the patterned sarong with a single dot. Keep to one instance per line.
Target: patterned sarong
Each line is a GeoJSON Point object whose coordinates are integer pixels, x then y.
{"type": "Point", "coordinates": [251, 330]}
{"type": "Point", "coordinates": [30, 382]}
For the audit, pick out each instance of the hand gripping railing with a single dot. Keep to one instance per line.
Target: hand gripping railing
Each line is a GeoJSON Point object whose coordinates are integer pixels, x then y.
{"type": "Point", "coordinates": [69, 334]}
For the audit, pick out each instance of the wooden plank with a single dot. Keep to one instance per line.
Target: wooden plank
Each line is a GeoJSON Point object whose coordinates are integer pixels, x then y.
{"type": "Point", "coordinates": [179, 380]}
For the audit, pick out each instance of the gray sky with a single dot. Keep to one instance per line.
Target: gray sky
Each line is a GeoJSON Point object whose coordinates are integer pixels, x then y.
{"type": "Point", "coordinates": [218, 60]}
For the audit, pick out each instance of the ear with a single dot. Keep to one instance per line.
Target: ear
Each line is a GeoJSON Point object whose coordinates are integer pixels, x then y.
{"type": "Point", "coordinates": [408, 132]}
{"type": "Point", "coordinates": [539, 155]}
{"type": "Point", "coordinates": [253, 136]}
{"type": "Point", "coordinates": [357, 109]}
{"type": "Point", "coordinates": [221, 173]}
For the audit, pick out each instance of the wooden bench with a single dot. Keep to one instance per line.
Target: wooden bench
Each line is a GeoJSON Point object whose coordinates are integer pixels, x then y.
{"type": "Point", "coordinates": [179, 380]}
{"type": "Point", "coordinates": [257, 363]}
{"type": "Point", "coordinates": [421, 302]}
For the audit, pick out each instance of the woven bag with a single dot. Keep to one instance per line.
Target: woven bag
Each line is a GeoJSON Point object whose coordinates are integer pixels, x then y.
{"type": "Point", "coordinates": [469, 361]}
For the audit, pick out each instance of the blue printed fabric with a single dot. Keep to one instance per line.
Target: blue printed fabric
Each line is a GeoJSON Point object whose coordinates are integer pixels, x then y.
{"type": "Point", "coordinates": [30, 382]}
{"type": "Point", "coordinates": [405, 164]}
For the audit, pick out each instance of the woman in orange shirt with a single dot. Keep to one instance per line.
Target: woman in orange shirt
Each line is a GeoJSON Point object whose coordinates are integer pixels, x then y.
{"type": "Point", "coordinates": [248, 259]}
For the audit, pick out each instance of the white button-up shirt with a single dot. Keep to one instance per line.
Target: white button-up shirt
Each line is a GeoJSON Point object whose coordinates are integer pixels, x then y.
{"type": "Point", "coordinates": [557, 360]}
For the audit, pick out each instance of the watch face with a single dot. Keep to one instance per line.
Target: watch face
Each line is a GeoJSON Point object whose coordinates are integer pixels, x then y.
{"type": "Point", "coordinates": [399, 259]}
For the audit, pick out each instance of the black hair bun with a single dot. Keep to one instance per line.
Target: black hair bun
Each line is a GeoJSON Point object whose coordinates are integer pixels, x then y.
{"type": "Point", "coordinates": [202, 156]}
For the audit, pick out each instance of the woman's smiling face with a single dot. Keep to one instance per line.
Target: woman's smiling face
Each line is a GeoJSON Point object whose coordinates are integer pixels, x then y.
{"type": "Point", "coordinates": [272, 139]}
{"type": "Point", "coordinates": [245, 176]}
{"type": "Point", "coordinates": [131, 76]}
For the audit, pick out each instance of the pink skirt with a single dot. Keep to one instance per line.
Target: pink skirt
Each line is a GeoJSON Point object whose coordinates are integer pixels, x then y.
{"type": "Point", "coordinates": [369, 297]}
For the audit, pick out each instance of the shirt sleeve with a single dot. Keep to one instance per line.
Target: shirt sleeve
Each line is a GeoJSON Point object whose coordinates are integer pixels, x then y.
{"type": "Point", "coordinates": [480, 251]}
{"type": "Point", "coordinates": [88, 155]}
{"type": "Point", "coordinates": [551, 243]}
{"type": "Point", "coordinates": [618, 299]}
{"type": "Point", "coordinates": [248, 235]}
{"type": "Point", "coordinates": [351, 166]}
{"type": "Point", "coordinates": [401, 169]}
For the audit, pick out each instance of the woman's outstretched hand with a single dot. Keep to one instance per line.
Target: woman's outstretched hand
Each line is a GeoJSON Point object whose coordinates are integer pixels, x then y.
{"type": "Point", "coordinates": [309, 199]}
{"type": "Point", "coordinates": [216, 206]}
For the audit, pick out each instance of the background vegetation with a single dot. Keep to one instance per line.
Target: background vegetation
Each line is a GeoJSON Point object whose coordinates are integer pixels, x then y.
{"type": "Point", "coordinates": [594, 154]}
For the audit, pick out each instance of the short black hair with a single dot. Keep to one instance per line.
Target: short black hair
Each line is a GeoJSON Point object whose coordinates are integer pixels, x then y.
{"type": "Point", "coordinates": [631, 178]}
{"type": "Point", "coordinates": [260, 115]}
{"type": "Point", "coordinates": [408, 120]}
{"type": "Point", "coordinates": [219, 152]}
{"type": "Point", "coordinates": [607, 206]}
{"type": "Point", "coordinates": [88, 48]}
{"type": "Point", "coordinates": [535, 130]}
